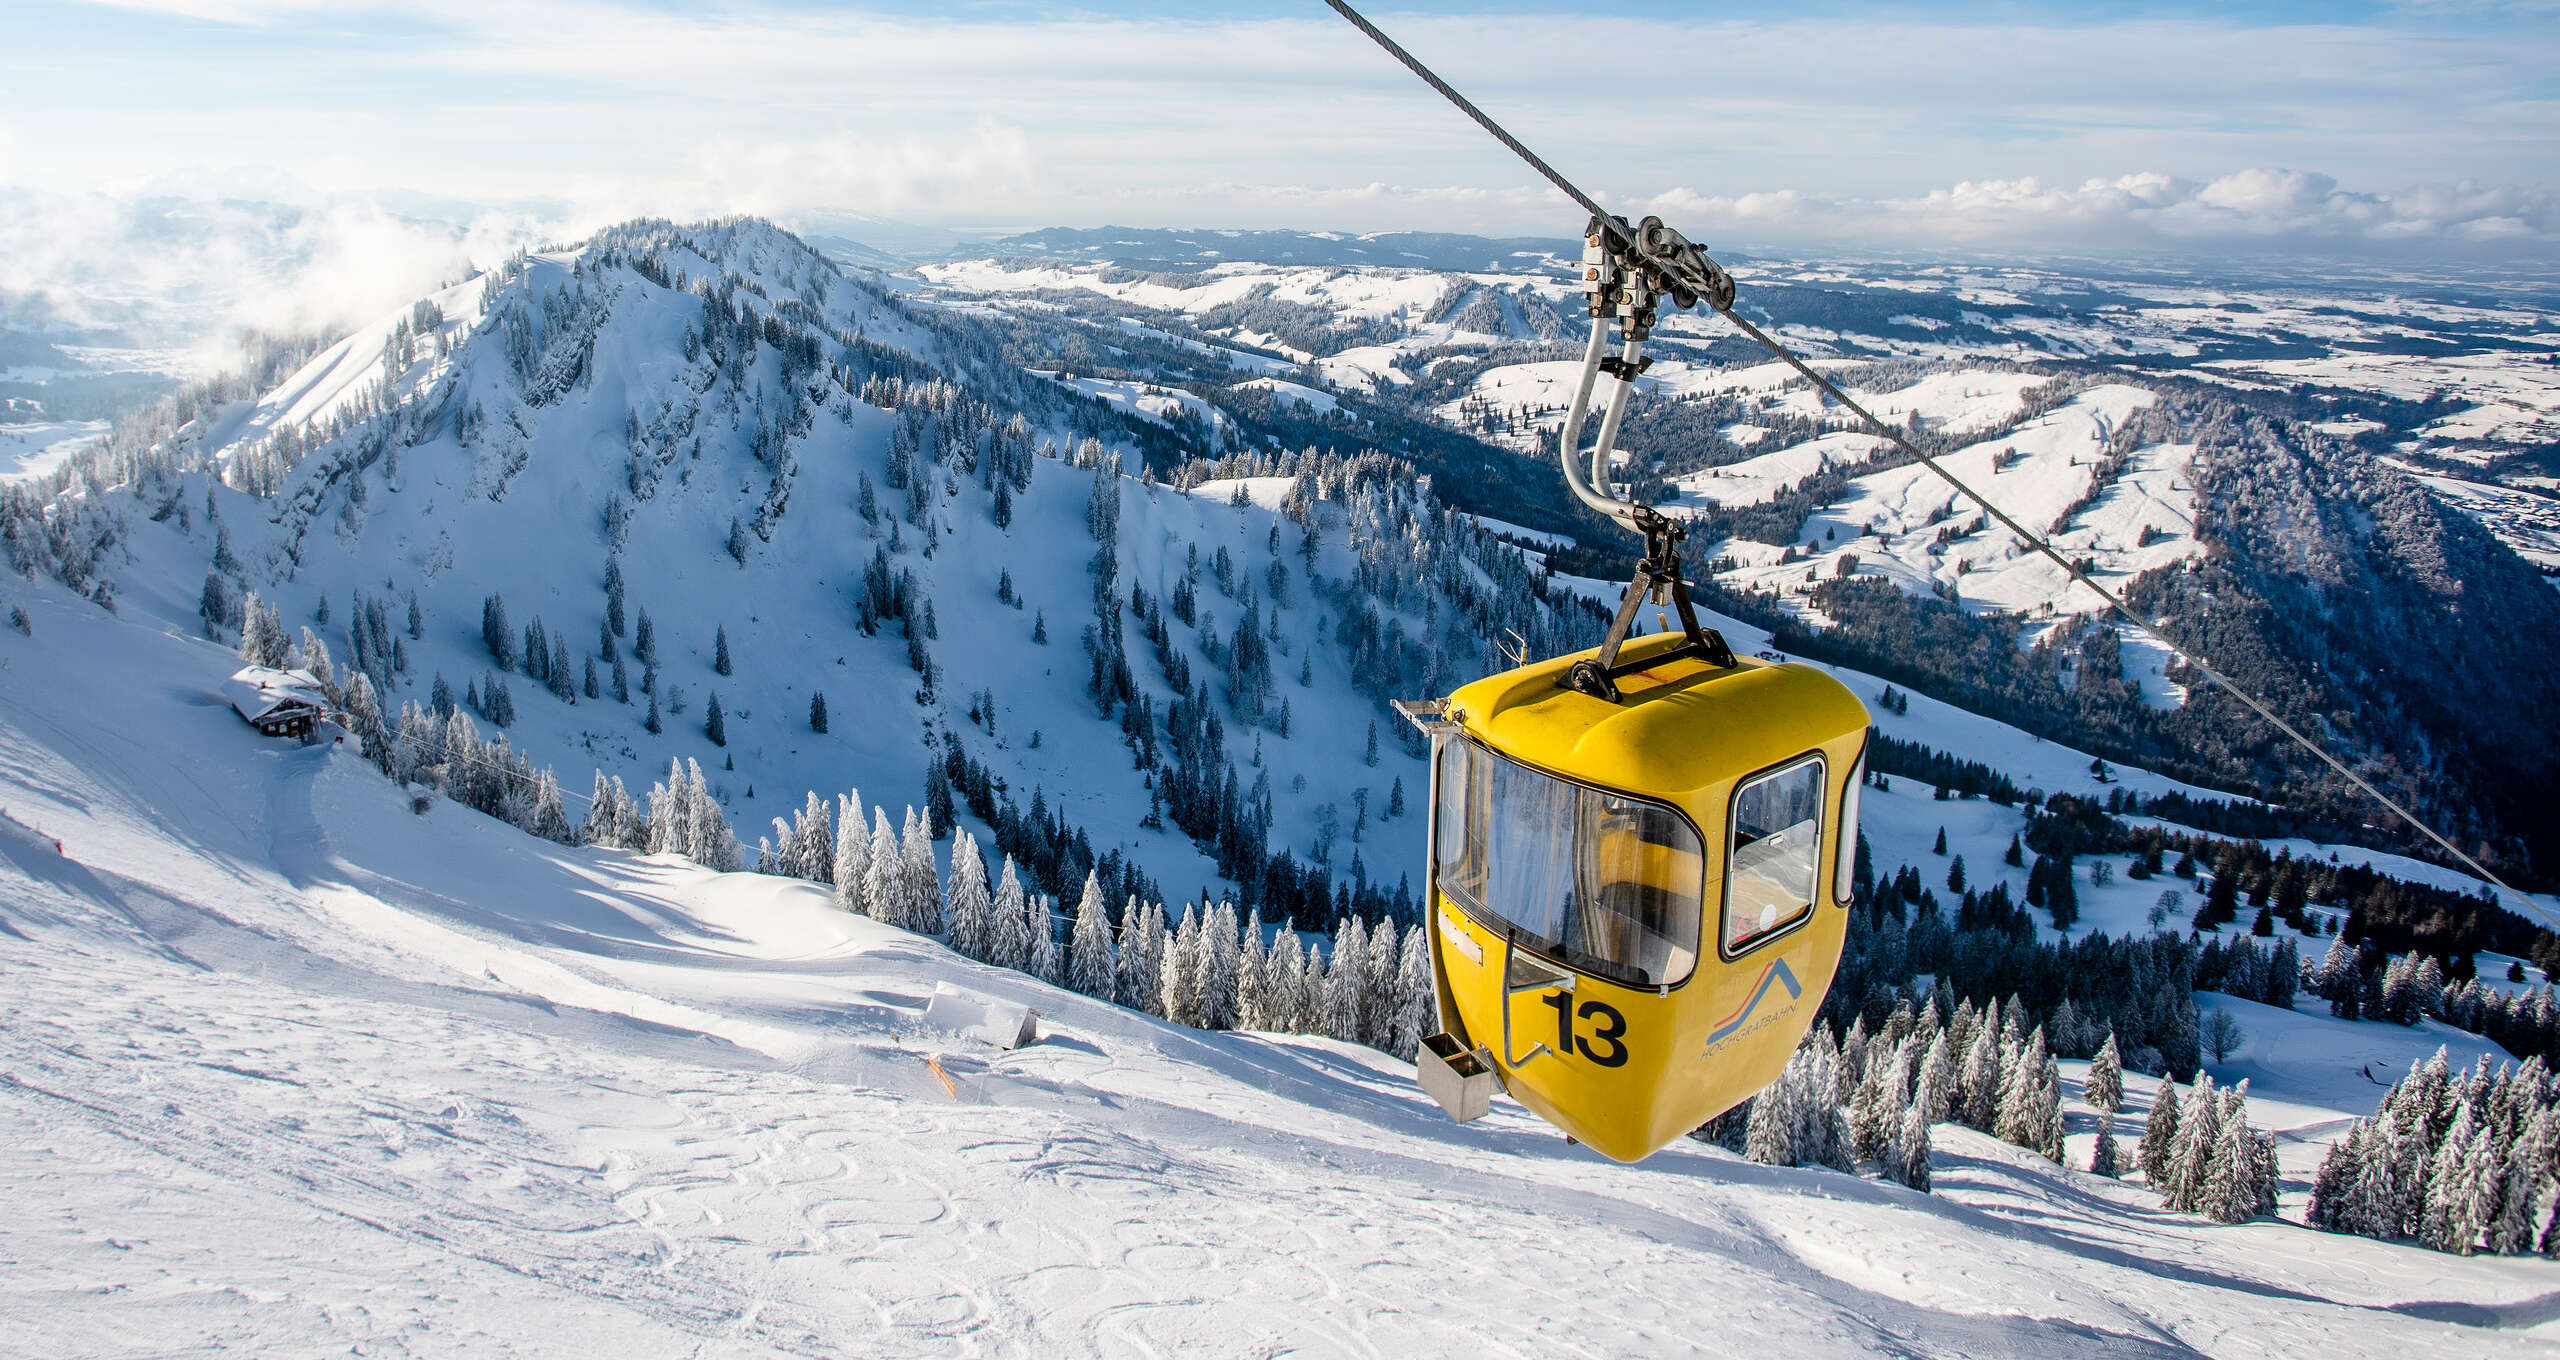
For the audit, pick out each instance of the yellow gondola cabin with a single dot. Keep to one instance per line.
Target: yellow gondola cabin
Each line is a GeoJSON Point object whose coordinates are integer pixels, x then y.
{"type": "Point", "coordinates": [1635, 903]}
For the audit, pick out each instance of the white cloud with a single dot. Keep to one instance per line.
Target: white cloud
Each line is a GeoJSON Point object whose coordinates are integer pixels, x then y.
{"type": "Point", "coordinates": [243, 13]}
{"type": "Point", "coordinates": [2290, 209]}
{"type": "Point", "coordinates": [182, 270]}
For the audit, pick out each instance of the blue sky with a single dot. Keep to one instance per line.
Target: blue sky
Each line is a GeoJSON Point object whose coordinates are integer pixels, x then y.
{"type": "Point", "coordinates": [2430, 124]}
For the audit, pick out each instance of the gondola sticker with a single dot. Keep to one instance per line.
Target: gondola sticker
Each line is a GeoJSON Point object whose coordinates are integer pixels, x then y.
{"type": "Point", "coordinates": [1460, 940]}
{"type": "Point", "coordinates": [1777, 973]}
{"type": "Point", "coordinates": [1612, 1029]}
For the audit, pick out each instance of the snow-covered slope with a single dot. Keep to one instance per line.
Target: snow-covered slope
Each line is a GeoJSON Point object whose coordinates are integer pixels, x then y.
{"type": "Point", "coordinates": [287, 1068]}
{"type": "Point", "coordinates": [585, 407]}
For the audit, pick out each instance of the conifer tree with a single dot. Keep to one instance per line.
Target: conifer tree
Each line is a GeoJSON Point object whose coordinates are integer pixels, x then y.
{"type": "Point", "coordinates": [1282, 971]}
{"type": "Point", "coordinates": [1090, 961]}
{"type": "Point", "coordinates": [2199, 1138]}
{"type": "Point", "coordinates": [1415, 1000]}
{"type": "Point", "coordinates": [2016, 1121]}
{"type": "Point", "coordinates": [1011, 946]}
{"type": "Point", "coordinates": [924, 881]}
{"type": "Point", "coordinates": [1047, 964]}
{"type": "Point", "coordinates": [1131, 984]}
{"type": "Point", "coordinates": [714, 727]}
{"type": "Point", "coordinates": [2105, 1088]}
{"type": "Point", "coordinates": [1914, 1149]}
{"type": "Point", "coordinates": [652, 723]}
{"type": "Point", "coordinates": [2159, 1136]}
{"type": "Point", "coordinates": [1875, 1109]}
{"type": "Point", "coordinates": [2447, 1195]}
{"type": "Point", "coordinates": [816, 830]}
{"type": "Point", "coordinates": [818, 713]}
{"type": "Point", "coordinates": [667, 826]}
{"type": "Point", "coordinates": [1935, 1091]}
{"type": "Point", "coordinates": [1342, 980]}
{"type": "Point", "coordinates": [720, 651]}
{"type": "Point", "coordinates": [883, 877]}
{"type": "Point", "coordinates": [969, 907]}
{"type": "Point", "coordinates": [600, 829]}
{"type": "Point", "coordinates": [1825, 1136]}
{"type": "Point", "coordinates": [262, 636]}
{"type": "Point", "coordinates": [2335, 1183]}
{"type": "Point", "coordinates": [549, 819]}
{"type": "Point", "coordinates": [1152, 941]}
{"type": "Point", "coordinates": [2228, 1193]}
{"type": "Point", "coordinates": [1181, 975]}
{"type": "Point", "coordinates": [364, 718]}
{"type": "Point", "coordinates": [2510, 1213]}
{"type": "Point", "coordinates": [2045, 1122]}
{"type": "Point", "coordinates": [1979, 1099]}
{"type": "Point", "coordinates": [2103, 1158]}
{"type": "Point", "coordinates": [1220, 949]}
{"type": "Point", "coordinates": [941, 810]}
{"type": "Point", "coordinates": [1774, 1123]}
{"type": "Point", "coordinates": [496, 633]}
{"type": "Point", "coordinates": [715, 846]}
{"type": "Point", "coordinates": [853, 856]}
{"type": "Point", "coordinates": [1252, 973]}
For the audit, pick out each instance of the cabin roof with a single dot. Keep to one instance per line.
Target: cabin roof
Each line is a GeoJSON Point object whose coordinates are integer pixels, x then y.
{"type": "Point", "coordinates": [258, 692]}
{"type": "Point", "coordinates": [1686, 726]}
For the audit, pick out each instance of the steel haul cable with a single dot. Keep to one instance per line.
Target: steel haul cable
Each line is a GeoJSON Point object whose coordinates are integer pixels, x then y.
{"type": "Point", "coordinates": [1618, 228]}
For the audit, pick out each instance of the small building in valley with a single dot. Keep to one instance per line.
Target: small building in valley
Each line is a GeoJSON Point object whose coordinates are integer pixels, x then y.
{"type": "Point", "coordinates": [277, 703]}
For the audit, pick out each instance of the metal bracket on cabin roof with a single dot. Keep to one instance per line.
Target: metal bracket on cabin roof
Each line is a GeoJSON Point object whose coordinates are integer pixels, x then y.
{"type": "Point", "coordinates": [1430, 715]}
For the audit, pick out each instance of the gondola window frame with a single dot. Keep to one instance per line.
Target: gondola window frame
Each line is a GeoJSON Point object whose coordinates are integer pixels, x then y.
{"type": "Point", "coordinates": [1729, 949]}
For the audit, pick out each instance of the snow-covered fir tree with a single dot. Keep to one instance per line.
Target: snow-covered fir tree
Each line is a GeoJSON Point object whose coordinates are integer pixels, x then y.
{"type": "Point", "coordinates": [969, 906]}
{"type": "Point", "coordinates": [2104, 1089]}
{"type": "Point", "coordinates": [853, 856]}
{"type": "Point", "coordinates": [1091, 962]}
{"type": "Point", "coordinates": [1011, 945]}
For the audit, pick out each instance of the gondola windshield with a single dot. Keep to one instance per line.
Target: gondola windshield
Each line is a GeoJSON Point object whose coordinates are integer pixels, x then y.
{"type": "Point", "coordinates": [1593, 879]}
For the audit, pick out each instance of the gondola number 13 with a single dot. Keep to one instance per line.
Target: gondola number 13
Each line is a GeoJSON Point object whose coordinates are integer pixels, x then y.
{"type": "Point", "coordinates": [1611, 1028]}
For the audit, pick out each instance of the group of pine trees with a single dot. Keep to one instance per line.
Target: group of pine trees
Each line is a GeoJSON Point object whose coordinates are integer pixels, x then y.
{"type": "Point", "coordinates": [2361, 982]}
{"type": "Point", "coordinates": [2203, 1155]}
{"type": "Point", "coordinates": [2141, 990]}
{"type": "Point", "coordinates": [448, 753]}
{"type": "Point", "coordinates": [1870, 1099]}
{"type": "Point", "coordinates": [678, 817]}
{"type": "Point", "coordinates": [1218, 967]}
{"type": "Point", "coordinates": [2461, 1163]}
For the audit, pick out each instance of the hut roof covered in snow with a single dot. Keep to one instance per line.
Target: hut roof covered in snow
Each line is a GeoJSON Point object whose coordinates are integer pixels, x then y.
{"type": "Point", "coordinates": [260, 693]}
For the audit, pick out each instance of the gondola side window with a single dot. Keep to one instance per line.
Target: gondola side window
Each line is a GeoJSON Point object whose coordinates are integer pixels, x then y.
{"type": "Point", "coordinates": [1596, 880]}
{"type": "Point", "coordinates": [1777, 851]}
